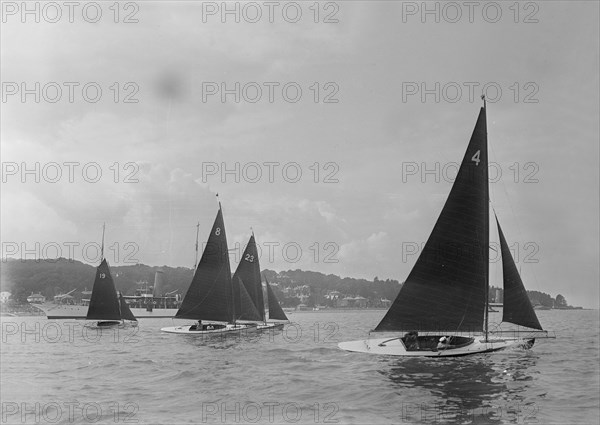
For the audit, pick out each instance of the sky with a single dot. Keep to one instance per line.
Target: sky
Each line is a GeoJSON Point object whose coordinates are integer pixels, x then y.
{"type": "Point", "coordinates": [332, 132]}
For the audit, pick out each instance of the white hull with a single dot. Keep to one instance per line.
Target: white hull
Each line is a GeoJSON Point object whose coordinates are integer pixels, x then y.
{"type": "Point", "coordinates": [220, 331]}
{"type": "Point", "coordinates": [395, 347]}
{"type": "Point", "coordinates": [54, 311]}
{"type": "Point", "coordinates": [270, 326]}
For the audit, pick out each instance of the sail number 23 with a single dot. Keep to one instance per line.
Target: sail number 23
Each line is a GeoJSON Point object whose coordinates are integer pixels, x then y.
{"type": "Point", "coordinates": [475, 158]}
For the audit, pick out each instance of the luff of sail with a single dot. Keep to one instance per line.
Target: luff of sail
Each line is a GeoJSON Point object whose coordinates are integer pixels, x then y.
{"type": "Point", "coordinates": [517, 307]}
{"type": "Point", "coordinates": [210, 295]}
{"type": "Point", "coordinates": [248, 270]}
{"type": "Point", "coordinates": [104, 304]}
{"type": "Point", "coordinates": [126, 313]}
{"type": "Point", "coordinates": [275, 310]}
{"type": "Point", "coordinates": [447, 287]}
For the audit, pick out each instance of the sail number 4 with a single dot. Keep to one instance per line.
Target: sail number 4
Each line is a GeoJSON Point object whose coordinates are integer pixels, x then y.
{"type": "Point", "coordinates": [475, 158]}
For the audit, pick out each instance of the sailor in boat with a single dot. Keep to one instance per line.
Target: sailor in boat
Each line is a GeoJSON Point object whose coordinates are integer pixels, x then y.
{"type": "Point", "coordinates": [196, 327]}
{"type": "Point", "coordinates": [443, 344]}
{"type": "Point", "coordinates": [411, 341]}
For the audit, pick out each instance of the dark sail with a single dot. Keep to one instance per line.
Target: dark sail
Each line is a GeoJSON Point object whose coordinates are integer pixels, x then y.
{"type": "Point", "coordinates": [126, 313]}
{"type": "Point", "coordinates": [517, 308]}
{"type": "Point", "coordinates": [247, 309]}
{"type": "Point", "coordinates": [210, 295]}
{"type": "Point", "coordinates": [447, 287]}
{"type": "Point", "coordinates": [275, 310]}
{"type": "Point", "coordinates": [248, 270]}
{"type": "Point", "coordinates": [104, 304]}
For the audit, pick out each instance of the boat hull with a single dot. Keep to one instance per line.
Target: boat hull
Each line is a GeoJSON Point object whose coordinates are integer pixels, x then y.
{"type": "Point", "coordinates": [220, 331]}
{"type": "Point", "coordinates": [54, 311]}
{"type": "Point", "coordinates": [270, 326]}
{"type": "Point", "coordinates": [111, 325]}
{"type": "Point", "coordinates": [395, 347]}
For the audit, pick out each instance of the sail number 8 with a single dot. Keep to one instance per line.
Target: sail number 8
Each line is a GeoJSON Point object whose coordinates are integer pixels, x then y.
{"type": "Point", "coordinates": [218, 231]}
{"type": "Point", "coordinates": [475, 158]}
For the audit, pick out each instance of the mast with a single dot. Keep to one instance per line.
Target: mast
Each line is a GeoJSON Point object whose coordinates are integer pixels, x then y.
{"type": "Point", "coordinates": [487, 230]}
{"type": "Point", "coordinates": [102, 247]}
{"type": "Point", "coordinates": [197, 232]}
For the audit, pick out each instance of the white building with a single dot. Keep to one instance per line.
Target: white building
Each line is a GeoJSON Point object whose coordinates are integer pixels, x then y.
{"type": "Point", "coordinates": [4, 296]}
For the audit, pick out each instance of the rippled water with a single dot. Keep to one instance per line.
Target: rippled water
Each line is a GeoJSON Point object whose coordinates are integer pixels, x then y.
{"type": "Point", "coordinates": [53, 372]}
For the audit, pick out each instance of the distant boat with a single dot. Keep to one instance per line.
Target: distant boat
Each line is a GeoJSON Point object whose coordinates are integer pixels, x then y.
{"type": "Point", "coordinates": [145, 303]}
{"type": "Point", "coordinates": [107, 308]}
{"type": "Point", "coordinates": [212, 292]}
{"type": "Point", "coordinates": [275, 310]}
{"type": "Point", "coordinates": [248, 271]}
{"type": "Point", "coordinates": [446, 293]}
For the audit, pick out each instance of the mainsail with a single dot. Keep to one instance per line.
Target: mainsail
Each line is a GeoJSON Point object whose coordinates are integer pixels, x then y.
{"type": "Point", "coordinates": [210, 295]}
{"type": "Point", "coordinates": [248, 270]}
{"type": "Point", "coordinates": [275, 310]}
{"type": "Point", "coordinates": [447, 287]}
{"type": "Point", "coordinates": [104, 304]}
{"type": "Point", "coordinates": [126, 313]}
{"type": "Point", "coordinates": [517, 306]}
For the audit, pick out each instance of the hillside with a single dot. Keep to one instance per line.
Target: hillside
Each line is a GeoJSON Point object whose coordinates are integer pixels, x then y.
{"type": "Point", "coordinates": [292, 287]}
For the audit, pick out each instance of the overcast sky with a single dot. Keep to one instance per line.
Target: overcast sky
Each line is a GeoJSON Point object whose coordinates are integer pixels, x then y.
{"type": "Point", "coordinates": [352, 104]}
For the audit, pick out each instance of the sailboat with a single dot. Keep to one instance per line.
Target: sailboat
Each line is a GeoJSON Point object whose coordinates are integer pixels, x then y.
{"type": "Point", "coordinates": [107, 307]}
{"type": "Point", "coordinates": [275, 310]}
{"type": "Point", "coordinates": [446, 293]}
{"type": "Point", "coordinates": [212, 293]}
{"type": "Point", "coordinates": [248, 271]}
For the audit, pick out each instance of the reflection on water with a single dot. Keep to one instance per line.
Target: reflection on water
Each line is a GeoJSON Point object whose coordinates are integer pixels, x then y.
{"type": "Point", "coordinates": [478, 389]}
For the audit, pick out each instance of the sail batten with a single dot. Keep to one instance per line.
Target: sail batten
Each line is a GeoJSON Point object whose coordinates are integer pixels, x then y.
{"type": "Point", "coordinates": [517, 308]}
{"type": "Point", "coordinates": [446, 289]}
{"type": "Point", "coordinates": [210, 295]}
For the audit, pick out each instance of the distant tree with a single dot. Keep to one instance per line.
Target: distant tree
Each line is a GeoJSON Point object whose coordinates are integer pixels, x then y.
{"type": "Point", "coordinates": [560, 301]}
